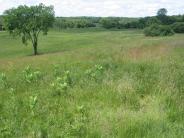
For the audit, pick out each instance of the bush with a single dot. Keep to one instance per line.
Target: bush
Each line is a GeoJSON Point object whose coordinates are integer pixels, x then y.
{"type": "Point", "coordinates": [109, 22]}
{"type": "Point", "coordinates": [158, 30]}
{"type": "Point", "coordinates": [178, 27]}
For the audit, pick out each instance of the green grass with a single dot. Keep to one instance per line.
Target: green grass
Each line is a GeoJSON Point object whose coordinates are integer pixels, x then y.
{"type": "Point", "coordinates": [120, 84]}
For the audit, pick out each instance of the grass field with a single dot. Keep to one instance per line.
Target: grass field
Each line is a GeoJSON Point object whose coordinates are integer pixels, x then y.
{"type": "Point", "coordinates": [92, 83]}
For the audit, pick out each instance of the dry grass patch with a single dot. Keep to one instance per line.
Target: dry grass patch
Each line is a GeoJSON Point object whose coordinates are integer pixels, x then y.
{"type": "Point", "coordinates": [153, 52]}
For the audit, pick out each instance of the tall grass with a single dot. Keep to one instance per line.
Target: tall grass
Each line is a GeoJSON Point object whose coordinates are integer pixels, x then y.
{"type": "Point", "coordinates": [107, 84]}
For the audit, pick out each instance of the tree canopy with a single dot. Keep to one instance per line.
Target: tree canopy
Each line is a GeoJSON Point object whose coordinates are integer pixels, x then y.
{"type": "Point", "coordinates": [162, 12]}
{"type": "Point", "coordinates": [28, 22]}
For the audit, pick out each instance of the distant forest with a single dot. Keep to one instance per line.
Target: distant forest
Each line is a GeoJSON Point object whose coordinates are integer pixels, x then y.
{"type": "Point", "coordinates": [112, 22]}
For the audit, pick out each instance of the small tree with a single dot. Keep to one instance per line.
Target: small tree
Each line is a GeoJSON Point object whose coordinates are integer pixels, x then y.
{"type": "Point", "coordinates": [28, 22]}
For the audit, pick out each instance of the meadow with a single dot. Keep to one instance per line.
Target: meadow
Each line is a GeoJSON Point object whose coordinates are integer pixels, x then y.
{"type": "Point", "coordinates": [92, 83]}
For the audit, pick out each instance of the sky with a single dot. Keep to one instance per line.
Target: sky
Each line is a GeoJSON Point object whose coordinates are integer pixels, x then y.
{"type": "Point", "coordinates": [103, 8]}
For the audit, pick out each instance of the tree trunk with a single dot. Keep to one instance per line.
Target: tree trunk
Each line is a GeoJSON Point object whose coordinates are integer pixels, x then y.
{"type": "Point", "coordinates": [35, 42]}
{"type": "Point", "coordinates": [35, 48]}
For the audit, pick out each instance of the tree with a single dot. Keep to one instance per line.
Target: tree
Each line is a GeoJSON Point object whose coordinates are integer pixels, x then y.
{"type": "Point", "coordinates": [162, 12]}
{"type": "Point", "coordinates": [162, 16]}
{"type": "Point", "coordinates": [28, 22]}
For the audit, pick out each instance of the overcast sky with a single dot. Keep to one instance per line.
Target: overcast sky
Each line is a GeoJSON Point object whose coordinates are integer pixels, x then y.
{"type": "Point", "coordinates": [125, 8]}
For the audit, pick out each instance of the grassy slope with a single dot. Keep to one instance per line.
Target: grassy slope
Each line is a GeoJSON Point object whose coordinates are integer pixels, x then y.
{"type": "Point", "coordinates": [139, 93]}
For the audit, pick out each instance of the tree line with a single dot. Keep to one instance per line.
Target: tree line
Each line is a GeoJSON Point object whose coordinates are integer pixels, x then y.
{"type": "Point", "coordinates": [159, 25]}
{"type": "Point", "coordinates": [111, 22]}
{"type": "Point", "coordinates": [141, 23]}
{"type": "Point", "coordinates": [75, 22]}
{"type": "Point", "coordinates": [117, 22]}
{"type": "Point", "coordinates": [87, 22]}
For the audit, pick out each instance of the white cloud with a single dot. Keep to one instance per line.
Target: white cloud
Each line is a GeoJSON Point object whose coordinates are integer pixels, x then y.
{"type": "Point", "coordinates": [128, 8]}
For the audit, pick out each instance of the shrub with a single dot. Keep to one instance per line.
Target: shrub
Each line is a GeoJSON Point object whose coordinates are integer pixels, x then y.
{"type": "Point", "coordinates": [178, 27]}
{"type": "Point", "coordinates": [158, 30]}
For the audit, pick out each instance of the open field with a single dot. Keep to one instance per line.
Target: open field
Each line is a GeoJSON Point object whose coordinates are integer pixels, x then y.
{"type": "Point", "coordinates": [93, 83]}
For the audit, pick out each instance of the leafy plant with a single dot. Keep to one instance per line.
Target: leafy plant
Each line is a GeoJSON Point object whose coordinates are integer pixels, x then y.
{"type": "Point", "coordinates": [31, 76]}
{"type": "Point", "coordinates": [12, 90]}
{"type": "Point", "coordinates": [78, 126]}
{"type": "Point", "coordinates": [95, 72]}
{"type": "Point", "coordinates": [56, 70]}
{"type": "Point", "coordinates": [32, 103]}
{"type": "Point", "coordinates": [61, 84]}
{"type": "Point", "coordinates": [67, 78]}
{"type": "Point", "coordinates": [3, 80]}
